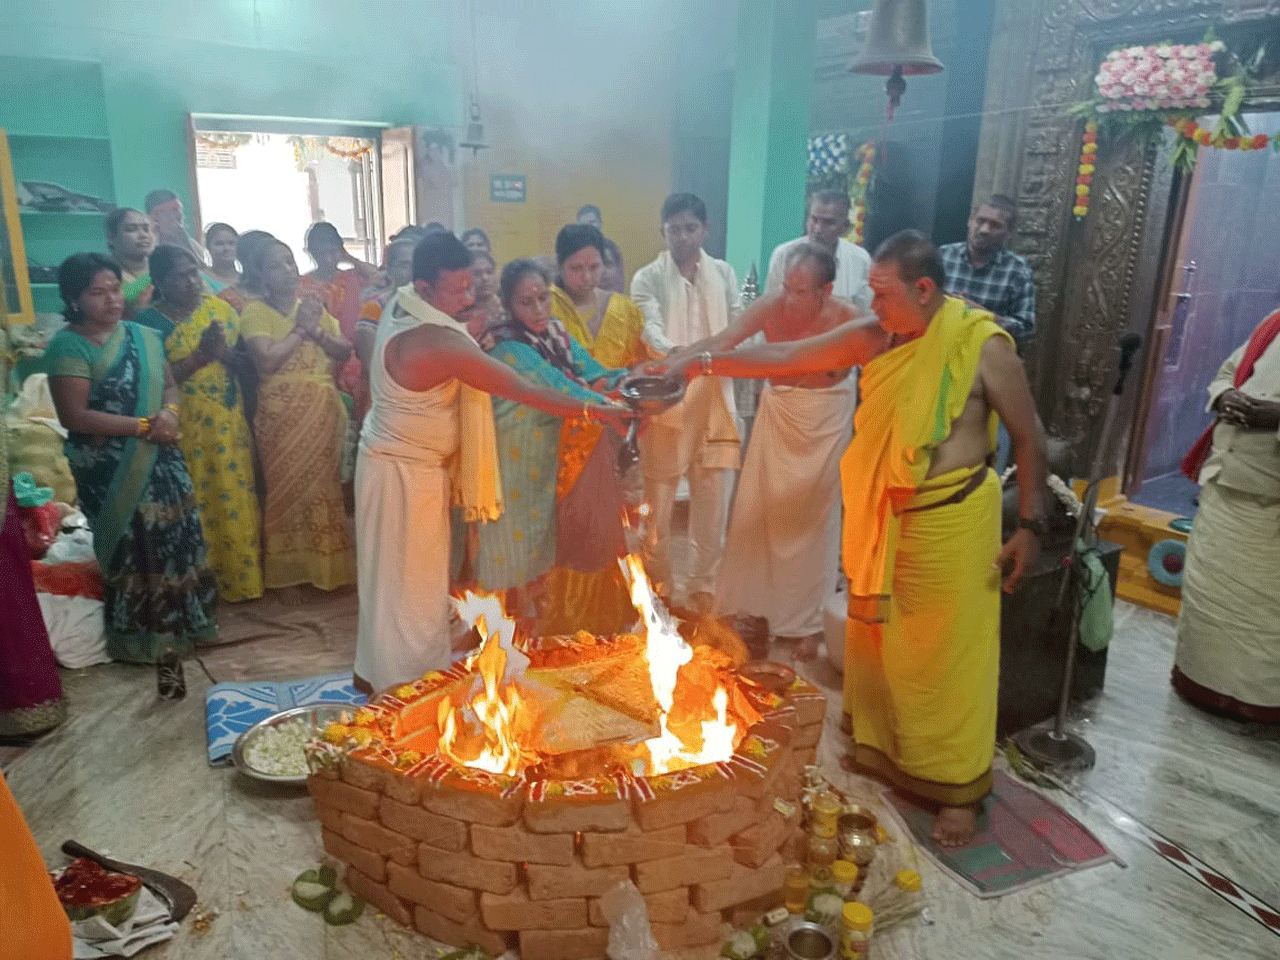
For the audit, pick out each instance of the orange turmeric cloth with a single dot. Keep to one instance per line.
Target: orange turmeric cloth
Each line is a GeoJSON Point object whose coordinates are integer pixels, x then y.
{"type": "Point", "coordinates": [32, 922]}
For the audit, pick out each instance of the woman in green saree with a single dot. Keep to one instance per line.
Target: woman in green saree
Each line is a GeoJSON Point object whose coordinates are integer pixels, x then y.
{"type": "Point", "coordinates": [117, 398]}
{"type": "Point", "coordinates": [130, 240]}
{"type": "Point", "coordinates": [556, 544]}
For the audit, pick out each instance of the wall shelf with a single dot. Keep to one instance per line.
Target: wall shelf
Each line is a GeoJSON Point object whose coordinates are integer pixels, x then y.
{"type": "Point", "coordinates": [28, 135]}
{"type": "Point", "coordinates": [28, 212]}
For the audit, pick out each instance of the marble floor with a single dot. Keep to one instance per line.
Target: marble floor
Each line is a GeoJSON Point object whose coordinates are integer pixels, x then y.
{"type": "Point", "coordinates": [127, 775]}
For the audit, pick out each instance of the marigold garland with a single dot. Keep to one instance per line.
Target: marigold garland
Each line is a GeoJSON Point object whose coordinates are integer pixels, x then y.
{"type": "Point", "coordinates": [1084, 173]}
{"type": "Point", "coordinates": [1203, 138]}
{"type": "Point", "coordinates": [858, 193]}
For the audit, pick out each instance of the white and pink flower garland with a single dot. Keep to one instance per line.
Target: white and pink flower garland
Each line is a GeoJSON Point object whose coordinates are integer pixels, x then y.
{"type": "Point", "coordinates": [1164, 77]}
{"type": "Point", "coordinates": [1165, 84]}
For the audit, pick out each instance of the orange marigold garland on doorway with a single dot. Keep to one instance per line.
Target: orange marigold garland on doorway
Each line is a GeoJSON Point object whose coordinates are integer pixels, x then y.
{"type": "Point", "coordinates": [1192, 131]}
{"type": "Point", "coordinates": [1084, 173]}
{"type": "Point", "coordinates": [866, 154]}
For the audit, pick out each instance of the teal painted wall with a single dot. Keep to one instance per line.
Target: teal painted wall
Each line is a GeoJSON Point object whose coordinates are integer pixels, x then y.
{"type": "Point", "coordinates": [772, 102]}
{"type": "Point", "coordinates": [389, 61]}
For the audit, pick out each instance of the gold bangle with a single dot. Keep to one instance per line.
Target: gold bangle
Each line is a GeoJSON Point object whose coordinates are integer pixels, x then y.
{"type": "Point", "coordinates": [144, 426]}
{"type": "Point", "coordinates": [171, 407]}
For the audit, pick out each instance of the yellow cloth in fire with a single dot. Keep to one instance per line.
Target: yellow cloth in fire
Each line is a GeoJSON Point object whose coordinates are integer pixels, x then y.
{"type": "Point", "coordinates": [922, 651]}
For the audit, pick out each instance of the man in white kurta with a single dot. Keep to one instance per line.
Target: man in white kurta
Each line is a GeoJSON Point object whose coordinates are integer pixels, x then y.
{"type": "Point", "coordinates": [826, 223]}
{"type": "Point", "coordinates": [781, 555]}
{"type": "Point", "coordinates": [686, 296]}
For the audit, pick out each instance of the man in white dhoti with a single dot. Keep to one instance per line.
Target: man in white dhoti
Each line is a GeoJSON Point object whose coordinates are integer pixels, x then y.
{"type": "Point", "coordinates": [826, 222]}
{"type": "Point", "coordinates": [428, 443]}
{"type": "Point", "coordinates": [686, 296]}
{"type": "Point", "coordinates": [781, 555]}
{"type": "Point", "coordinates": [1228, 655]}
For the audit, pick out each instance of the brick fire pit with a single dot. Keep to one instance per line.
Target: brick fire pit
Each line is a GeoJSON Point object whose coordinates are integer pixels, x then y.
{"type": "Point", "coordinates": [471, 857]}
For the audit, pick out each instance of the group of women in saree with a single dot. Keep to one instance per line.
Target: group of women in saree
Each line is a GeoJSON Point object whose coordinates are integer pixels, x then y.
{"type": "Point", "coordinates": [162, 442]}
{"type": "Point", "coordinates": [207, 431]}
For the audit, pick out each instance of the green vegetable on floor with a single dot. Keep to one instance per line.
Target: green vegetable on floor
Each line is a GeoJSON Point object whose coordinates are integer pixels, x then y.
{"type": "Point", "coordinates": [313, 889]}
{"type": "Point", "coordinates": [312, 896]}
{"type": "Point", "coordinates": [342, 909]}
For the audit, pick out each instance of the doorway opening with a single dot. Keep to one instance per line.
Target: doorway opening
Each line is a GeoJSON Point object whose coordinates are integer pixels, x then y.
{"type": "Point", "coordinates": [283, 176]}
{"type": "Point", "coordinates": [1222, 280]}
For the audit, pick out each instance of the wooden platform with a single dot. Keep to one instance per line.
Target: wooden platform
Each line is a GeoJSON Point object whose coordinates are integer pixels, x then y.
{"type": "Point", "coordinates": [1138, 529]}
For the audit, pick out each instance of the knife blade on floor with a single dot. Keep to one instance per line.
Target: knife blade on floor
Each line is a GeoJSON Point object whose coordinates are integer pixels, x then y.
{"type": "Point", "coordinates": [180, 896]}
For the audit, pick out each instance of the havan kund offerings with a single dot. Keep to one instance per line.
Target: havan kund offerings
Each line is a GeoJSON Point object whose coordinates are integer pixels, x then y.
{"type": "Point", "coordinates": [495, 803]}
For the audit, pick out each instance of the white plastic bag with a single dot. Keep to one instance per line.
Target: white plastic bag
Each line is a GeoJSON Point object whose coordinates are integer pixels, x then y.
{"type": "Point", "coordinates": [630, 936]}
{"type": "Point", "coordinates": [74, 546]}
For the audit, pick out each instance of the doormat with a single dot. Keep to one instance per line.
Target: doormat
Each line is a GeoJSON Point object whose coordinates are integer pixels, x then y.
{"type": "Point", "coordinates": [1023, 839]}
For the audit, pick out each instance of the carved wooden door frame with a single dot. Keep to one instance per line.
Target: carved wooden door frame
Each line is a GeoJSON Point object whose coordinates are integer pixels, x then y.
{"type": "Point", "coordinates": [1096, 280]}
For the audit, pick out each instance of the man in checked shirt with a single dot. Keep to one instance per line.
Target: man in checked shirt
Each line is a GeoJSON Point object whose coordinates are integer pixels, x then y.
{"type": "Point", "coordinates": [983, 271]}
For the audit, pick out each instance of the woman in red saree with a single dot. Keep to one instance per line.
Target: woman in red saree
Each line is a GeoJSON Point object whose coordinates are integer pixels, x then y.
{"type": "Point", "coordinates": [30, 690]}
{"type": "Point", "coordinates": [340, 290]}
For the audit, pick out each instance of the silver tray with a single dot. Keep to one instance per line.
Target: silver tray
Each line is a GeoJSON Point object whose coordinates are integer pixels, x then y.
{"type": "Point", "coordinates": [320, 717]}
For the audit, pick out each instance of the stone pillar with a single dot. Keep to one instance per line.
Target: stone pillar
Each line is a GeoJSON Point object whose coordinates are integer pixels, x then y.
{"type": "Point", "coordinates": [768, 153]}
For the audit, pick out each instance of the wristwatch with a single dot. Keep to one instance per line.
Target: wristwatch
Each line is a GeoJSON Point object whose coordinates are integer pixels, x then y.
{"type": "Point", "coordinates": [1037, 525]}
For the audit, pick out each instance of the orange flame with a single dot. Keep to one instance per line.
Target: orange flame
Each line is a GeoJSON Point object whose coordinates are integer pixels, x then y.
{"type": "Point", "coordinates": [496, 707]}
{"type": "Point", "coordinates": [488, 726]}
{"type": "Point", "coordinates": [666, 652]}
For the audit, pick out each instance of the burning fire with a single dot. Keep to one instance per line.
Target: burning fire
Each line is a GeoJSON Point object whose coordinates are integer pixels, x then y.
{"type": "Point", "coordinates": [496, 708]}
{"type": "Point", "coordinates": [667, 652]}
{"type": "Point", "coordinates": [490, 726]}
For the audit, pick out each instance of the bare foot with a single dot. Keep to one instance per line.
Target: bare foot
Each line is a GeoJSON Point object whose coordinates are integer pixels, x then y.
{"type": "Point", "coordinates": [955, 826]}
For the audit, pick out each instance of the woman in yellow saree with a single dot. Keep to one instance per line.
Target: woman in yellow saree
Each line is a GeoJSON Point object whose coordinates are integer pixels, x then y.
{"type": "Point", "coordinates": [199, 333]}
{"type": "Point", "coordinates": [300, 424]}
{"type": "Point", "coordinates": [607, 324]}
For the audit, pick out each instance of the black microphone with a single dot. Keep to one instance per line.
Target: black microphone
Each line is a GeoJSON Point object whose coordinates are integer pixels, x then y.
{"type": "Point", "coordinates": [1129, 345]}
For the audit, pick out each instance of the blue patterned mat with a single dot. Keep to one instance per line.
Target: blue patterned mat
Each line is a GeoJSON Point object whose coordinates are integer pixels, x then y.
{"type": "Point", "coordinates": [232, 708]}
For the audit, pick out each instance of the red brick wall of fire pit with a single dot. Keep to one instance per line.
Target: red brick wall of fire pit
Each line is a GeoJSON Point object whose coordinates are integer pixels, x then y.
{"type": "Point", "coordinates": [469, 857]}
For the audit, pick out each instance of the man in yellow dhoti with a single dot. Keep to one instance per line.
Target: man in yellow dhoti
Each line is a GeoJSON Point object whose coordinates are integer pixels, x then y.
{"type": "Point", "coordinates": [921, 535]}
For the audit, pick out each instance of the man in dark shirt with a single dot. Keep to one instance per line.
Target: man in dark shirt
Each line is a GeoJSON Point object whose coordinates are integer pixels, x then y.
{"type": "Point", "coordinates": [983, 271]}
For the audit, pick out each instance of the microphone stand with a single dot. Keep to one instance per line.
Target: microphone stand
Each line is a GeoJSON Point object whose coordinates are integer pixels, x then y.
{"type": "Point", "coordinates": [1055, 748]}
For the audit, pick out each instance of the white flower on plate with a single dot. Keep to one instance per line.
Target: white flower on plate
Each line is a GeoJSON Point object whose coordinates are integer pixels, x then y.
{"type": "Point", "coordinates": [1164, 51]}
{"type": "Point", "coordinates": [1217, 46]}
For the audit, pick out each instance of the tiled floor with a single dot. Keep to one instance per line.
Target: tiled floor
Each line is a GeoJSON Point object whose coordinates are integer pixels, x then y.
{"type": "Point", "coordinates": [127, 774]}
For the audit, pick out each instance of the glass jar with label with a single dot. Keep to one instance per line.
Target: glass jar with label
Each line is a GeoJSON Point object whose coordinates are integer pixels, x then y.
{"type": "Point", "coordinates": [856, 926]}
{"type": "Point", "coordinates": [824, 813]}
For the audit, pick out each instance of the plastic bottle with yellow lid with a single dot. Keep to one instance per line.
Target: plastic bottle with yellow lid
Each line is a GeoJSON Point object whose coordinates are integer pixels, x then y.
{"type": "Point", "coordinates": [857, 923]}
{"type": "Point", "coordinates": [907, 880]}
{"type": "Point", "coordinates": [844, 875]}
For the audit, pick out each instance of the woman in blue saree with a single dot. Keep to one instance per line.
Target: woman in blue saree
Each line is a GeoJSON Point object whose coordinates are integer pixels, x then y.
{"type": "Point", "coordinates": [549, 521]}
{"type": "Point", "coordinates": [116, 397]}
